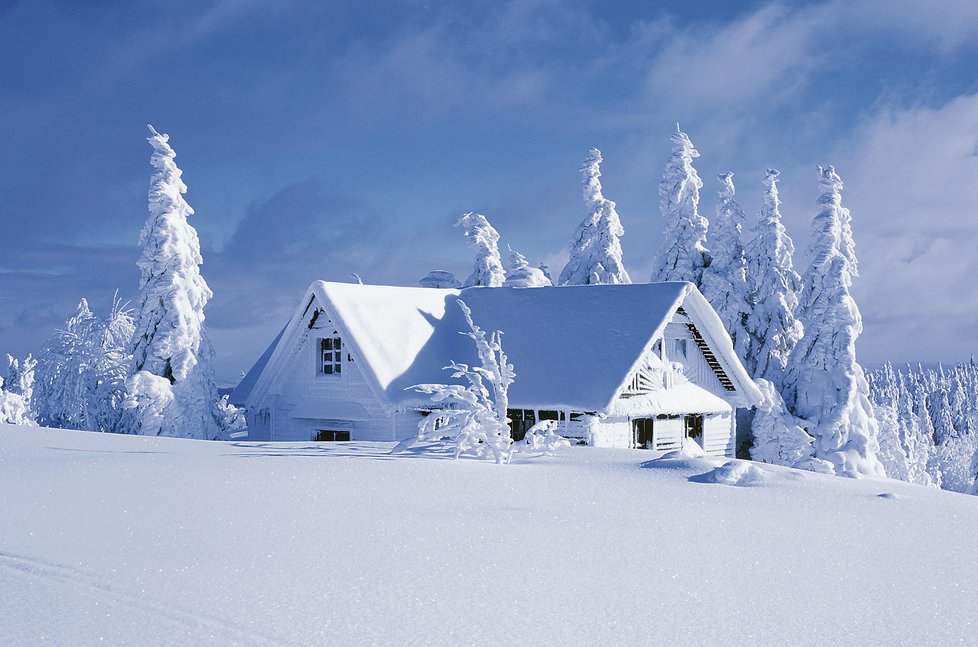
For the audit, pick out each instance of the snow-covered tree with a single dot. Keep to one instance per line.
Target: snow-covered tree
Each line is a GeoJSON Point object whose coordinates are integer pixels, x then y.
{"type": "Point", "coordinates": [773, 287]}
{"type": "Point", "coordinates": [937, 423]}
{"type": "Point", "coordinates": [595, 252]}
{"type": "Point", "coordinates": [171, 386]}
{"type": "Point", "coordinates": [16, 392]}
{"type": "Point", "coordinates": [473, 415]}
{"type": "Point", "coordinates": [439, 279]}
{"type": "Point", "coordinates": [682, 254]}
{"type": "Point", "coordinates": [521, 275]}
{"type": "Point", "coordinates": [66, 375]}
{"type": "Point", "coordinates": [114, 366]}
{"type": "Point", "coordinates": [824, 383]}
{"type": "Point", "coordinates": [725, 280]}
{"type": "Point", "coordinates": [902, 450]}
{"type": "Point", "coordinates": [488, 269]}
{"type": "Point", "coordinates": [918, 445]}
{"type": "Point", "coordinates": [779, 437]}
{"type": "Point", "coordinates": [81, 372]}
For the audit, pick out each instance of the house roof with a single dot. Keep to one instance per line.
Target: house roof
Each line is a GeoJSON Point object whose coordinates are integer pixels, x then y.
{"type": "Point", "coordinates": [571, 346]}
{"type": "Point", "coordinates": [239, 396]}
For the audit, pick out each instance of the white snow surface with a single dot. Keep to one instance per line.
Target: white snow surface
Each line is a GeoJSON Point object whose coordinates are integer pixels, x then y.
{"type": "Point", "coordinates": [680, 399]}
{"type": "Point", "coordinates": [346, 544]}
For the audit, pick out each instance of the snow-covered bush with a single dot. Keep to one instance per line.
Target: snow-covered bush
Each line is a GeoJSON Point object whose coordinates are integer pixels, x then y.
{"type": "Point", "coordinates": [473, 415]}
{"type": "Point", "coordinates": [149, 398]}
{"type": "Point", "coordinates": [595, 253]}
{"type": "Point", "coordinates": [170, 341]}
{"type": "Point", "coordinates": [522, 275]}
{"type": "Point", "coordinates": [779, 437]}
{"type": "Point", "coordinates": [81, 372]}
{"type": "Point", "coordinates": [15, 392]}
{"type": "Point", "coordinates": [542, 438]}
{"type": "Point", "coordinates": [488, 270]}
{"type": "Point", "coordinates": [439, 279]}
{"type": "Point", "coordinates": [682, 252]}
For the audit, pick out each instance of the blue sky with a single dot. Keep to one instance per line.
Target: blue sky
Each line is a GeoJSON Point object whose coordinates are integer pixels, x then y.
{"type": "Point", "coordinates": [324, 138]}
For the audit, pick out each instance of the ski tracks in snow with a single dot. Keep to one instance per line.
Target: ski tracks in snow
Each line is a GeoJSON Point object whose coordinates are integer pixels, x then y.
{"type": "Point", "coordinates": [201, 627]}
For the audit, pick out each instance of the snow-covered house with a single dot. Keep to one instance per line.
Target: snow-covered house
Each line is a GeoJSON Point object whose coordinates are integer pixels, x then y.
{"type": "Point", "coordinates": [618, 365]}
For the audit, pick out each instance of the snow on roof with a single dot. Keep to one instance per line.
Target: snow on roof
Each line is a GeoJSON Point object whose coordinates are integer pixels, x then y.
{"type": "Point", "coordinates": [680, 399]}
{"type": "Point", "coordinates": [571, 346]}
{"type": "Point", "coordinates": [241, 392]}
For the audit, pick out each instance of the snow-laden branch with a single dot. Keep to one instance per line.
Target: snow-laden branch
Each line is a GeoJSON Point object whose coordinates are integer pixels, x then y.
{"type": "Point", "coordinates": [473, 415]}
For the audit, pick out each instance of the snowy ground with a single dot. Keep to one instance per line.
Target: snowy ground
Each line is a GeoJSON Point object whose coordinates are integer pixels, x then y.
{"type": "Point", "coordinates": [151, 541]}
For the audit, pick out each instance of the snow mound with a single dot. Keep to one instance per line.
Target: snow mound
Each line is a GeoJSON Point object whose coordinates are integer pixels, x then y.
{"type": "Point", "coordinates": [739, 473]}
{"type": "Point", "coordinates": [817, 465]}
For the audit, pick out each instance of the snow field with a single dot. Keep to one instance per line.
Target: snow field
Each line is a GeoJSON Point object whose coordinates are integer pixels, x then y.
{"type": "Point", "coordinates": [138, 540]}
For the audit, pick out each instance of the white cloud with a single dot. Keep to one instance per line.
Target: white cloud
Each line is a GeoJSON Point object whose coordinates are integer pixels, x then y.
{"type": "Point", "coordinates": [912, 185]}
{"type": "Point", "coordinates": [762, 57]}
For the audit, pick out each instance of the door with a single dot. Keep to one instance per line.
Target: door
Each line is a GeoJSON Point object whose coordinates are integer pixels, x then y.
{"type": "Point", "coordinates": [694, 428]}
{"type": "Point", "coordinates": [642, 433]}
{"type": "Point", "coordinates": [331, 435]}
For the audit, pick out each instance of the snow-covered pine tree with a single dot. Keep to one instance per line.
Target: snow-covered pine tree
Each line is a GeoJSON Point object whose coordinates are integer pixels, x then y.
{"type": "Point", "coordinates": [488, 270]}
{"type": "Point", "coordinates": [773, 287]}
{"type": "Point", "coordinates": [824, 383]}
{"type": "Point", "coordinates": [473, 415]}
{"type": "Point", "coordinates": [16, 392]}
{"type": "Point", "coordinates": [682, 254]}
{"type": "Point", "coordinates": [171, 389]}
{"type": "Point", "coordinates": [885, 395]}
{"type": "Point", "coordinates": [906, 449]}
{"type": "Point", "coordinates": [522, 275]}
{"type": "Point", "coordinates": [725, 280]}
{"type": "Point", "coordinates": [595, 251]}
{"type": "Point", "coordinates": [918, 445]}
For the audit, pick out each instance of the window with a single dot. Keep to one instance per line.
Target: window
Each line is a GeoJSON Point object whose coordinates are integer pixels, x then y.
{"type": "Point", "coordinates": [551, 415]}
{"type": "Point", "coordinates": [331, 435]}
{"type": "Point", "coordinates": [330, 355]}
{"type": "Point", "coordinates": [679, 349]}
{"type": "Point", "coordinates": [694, 428]}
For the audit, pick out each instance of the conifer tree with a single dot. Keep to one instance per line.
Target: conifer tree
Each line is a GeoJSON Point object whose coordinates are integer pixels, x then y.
{"type": "Point", "coordinates": [725, 280]}
{"type": "Point", "coordinates": [773, 287]}
{"type": "Point", "coordinates": [488, 270]}
{"type": "Point", "coordinates": [682, 254]}
{"type": "Point", "coordinates": [824, 383]}
{"type": "Point", "coordinates": [16, 392]}
{"type": "Point", "coordinates": [171, 389]}
{"type": "Point", "coordinates": [595, 254]}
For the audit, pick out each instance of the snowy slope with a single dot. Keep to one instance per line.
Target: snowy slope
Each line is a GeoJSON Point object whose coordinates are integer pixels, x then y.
{"type": "Point", "coordinates": [152, 541]}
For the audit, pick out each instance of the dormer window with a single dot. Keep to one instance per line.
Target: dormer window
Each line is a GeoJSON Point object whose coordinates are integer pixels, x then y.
{"type": "Point", "coordinates": [330, 355]}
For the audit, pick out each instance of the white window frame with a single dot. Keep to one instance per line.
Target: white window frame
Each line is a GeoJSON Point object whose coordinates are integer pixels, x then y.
{"type": "Point", "coordinates": [329, 356]}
